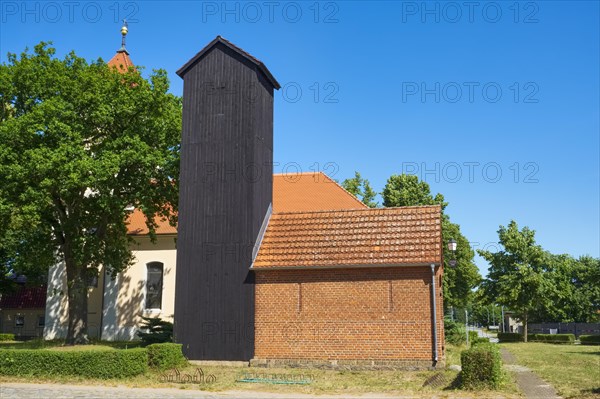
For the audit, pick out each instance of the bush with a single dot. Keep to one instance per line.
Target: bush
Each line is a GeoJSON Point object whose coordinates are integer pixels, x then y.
{"type": "Point", "coordinates": [473, 336]}
{"type": "Point", "coordinates": [165, 356]}
{"type": "Point", "coordinates": [155, 331]}
{"type": "Point", "coordinates": [455, 332]}
{"type": "Point", "coordinates": [90, 364]}
{"type": "Point", "coordinates": [510, 337]}
{"type": "Point", "coordinates": [480, 340]}
{"type": "Point", "coordinates": [589, 339]}
{"type": "Point", "coordinates": [553, 338]}
{"type": "Point", "coordinates": [7, 337]}
{"type": "Point", "coordinates": [481, 367]}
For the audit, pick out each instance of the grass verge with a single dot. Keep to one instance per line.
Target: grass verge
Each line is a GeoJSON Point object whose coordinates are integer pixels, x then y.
{"type": "Point", "coordinates": [574, 370]}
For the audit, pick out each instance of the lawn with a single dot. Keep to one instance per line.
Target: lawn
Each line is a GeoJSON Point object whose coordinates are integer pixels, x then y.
{"type": "Point", "coordinates": [574, 370]}
{"type": "Point", "coordinates": [388, 382]}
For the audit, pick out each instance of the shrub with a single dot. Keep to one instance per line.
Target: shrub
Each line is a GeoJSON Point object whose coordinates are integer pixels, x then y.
{"type": "Point", "coordinates": [553, 338]}
{"type": "Point", "coordinates": [547, 338]}
{"type": "Point", "coordinates": [155, 331]}
{"type": "Point", "coordinates": [473, 336]}
{"type": "Point", "coordinates": [480, 340]}
{"type": "Point", "coordinates": [7, 337]}
{"type": "Point", "coordinates": [481, 367]}
{"type": "Point", "coordinates": [510, 337]}
{"type": "Point", "coordinates": [455, 332]}
{"type": "Point", "coordinates": [589, 339]}
{"type": "Point", "coordinates": [165, 356]}
{"type": "Point", "coordinates": [90, 364]}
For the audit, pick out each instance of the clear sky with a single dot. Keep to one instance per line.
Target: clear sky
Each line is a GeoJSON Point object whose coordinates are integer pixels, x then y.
{"type": "Point", "coordinates": [495, 104]}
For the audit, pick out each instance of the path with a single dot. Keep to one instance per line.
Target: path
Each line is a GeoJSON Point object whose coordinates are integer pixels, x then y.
{"type": "Point", "coordinates": [532, 386]}
{"type": "Point", "coordinates": [55, 391]}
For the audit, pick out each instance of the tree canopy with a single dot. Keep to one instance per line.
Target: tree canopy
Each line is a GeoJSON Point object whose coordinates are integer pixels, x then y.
{"type": "Point", "coordinates": [361, 189]}
{"type": "Point", "coordinates": [459, 281]}
{"type": "Point", "coordinates": [516, 274]}
{"type": "Point", "coordinates": [80, 144]}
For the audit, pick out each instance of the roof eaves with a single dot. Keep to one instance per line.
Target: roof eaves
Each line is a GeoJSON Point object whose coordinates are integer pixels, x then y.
{"type": "Point", "coordinates": [342, 266]}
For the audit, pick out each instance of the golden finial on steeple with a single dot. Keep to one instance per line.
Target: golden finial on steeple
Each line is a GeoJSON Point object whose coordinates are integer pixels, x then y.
{"type": "Point", "coordinates": [124, 32]}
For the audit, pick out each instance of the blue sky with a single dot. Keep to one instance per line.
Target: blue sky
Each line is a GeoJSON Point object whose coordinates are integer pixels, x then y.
{"type": "Point", "coordinates": [494, 104]}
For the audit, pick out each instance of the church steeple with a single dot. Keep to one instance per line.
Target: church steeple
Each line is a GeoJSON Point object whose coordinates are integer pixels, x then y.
{"type": "Point", "coordinates": [124, 31]}
{"type": "Point", "coordinates": [121, 60]}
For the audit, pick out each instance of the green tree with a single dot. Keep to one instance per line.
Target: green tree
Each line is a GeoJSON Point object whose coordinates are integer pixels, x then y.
{"type": "Point", "coordinates": [517, 274]}
{"type": "Point", "coordinates": [82, 143]}
{"type": "Point", "coordinates": [361, 189]}
{"type": "Point", "coordinates": [459, 281]}
{"type": "Point", "coordinates": [575, 296]}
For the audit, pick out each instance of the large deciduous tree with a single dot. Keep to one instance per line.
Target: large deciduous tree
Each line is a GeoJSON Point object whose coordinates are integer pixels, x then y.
{"type": "Point", "coordinates": [459, 281]}
{"type": "Point", "coordinates": [575, 296]}
{"type": "Point", "coordinates": [80, 143]}
{"type": "Point", "coordinates": [516, 277]}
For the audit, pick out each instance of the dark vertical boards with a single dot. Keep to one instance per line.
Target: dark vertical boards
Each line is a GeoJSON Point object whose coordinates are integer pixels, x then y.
{"type": "Point", "coordinates": [225, 191]}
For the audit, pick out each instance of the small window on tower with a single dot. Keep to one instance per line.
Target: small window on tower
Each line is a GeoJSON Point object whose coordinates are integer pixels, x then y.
{"type": "Point", "coordinates": [19, 321]}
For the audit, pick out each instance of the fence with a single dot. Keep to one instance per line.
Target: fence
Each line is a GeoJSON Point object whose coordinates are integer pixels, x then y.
{"type": "Point", "coordinates": [565, 328]}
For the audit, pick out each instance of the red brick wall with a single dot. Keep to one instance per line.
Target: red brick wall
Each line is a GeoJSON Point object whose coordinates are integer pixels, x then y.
{"type": "Point", "coordinates": [347, 314]}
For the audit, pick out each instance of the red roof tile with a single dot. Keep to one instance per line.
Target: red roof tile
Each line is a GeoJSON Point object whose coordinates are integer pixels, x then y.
{"type": "Point", "coordinates": [25, 298]}
{"type": "Point", "coordinates": [361, 237]}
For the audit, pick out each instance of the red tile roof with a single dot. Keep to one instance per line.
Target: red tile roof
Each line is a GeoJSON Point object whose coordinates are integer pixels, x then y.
{"type": "Point", "coordinates": [291, 192]}
{"type": "Point", "coordinates": [310, 192]}
{"type": "Point", "coordinates": [25, 298]}
{"type": "Point", "coordinates": [361, 237]}
{"type": "Point", "coordinates": [121, 61]}
{"type": "Point", "coordinates": [137, 224]}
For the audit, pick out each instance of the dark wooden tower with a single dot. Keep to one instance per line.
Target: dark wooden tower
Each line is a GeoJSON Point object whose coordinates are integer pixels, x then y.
{"type": "Point", "coordinates": [226, 184]}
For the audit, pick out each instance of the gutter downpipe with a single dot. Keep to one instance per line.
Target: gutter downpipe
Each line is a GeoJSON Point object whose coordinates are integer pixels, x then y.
{"type": "Point", "coordinates": [434, 316]}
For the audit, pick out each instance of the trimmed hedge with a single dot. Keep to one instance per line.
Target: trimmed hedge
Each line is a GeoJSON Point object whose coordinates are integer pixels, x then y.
{"type": "Point", "coordinates": [589, 339]}
{"type": "Point", "coordinates": [165, 356]}
{"type": "Point", "coordinates": [7, 337]}
{"type": "Point", "coordinates": [481, 367]}
{"type": "Point", "coordinates": [102, 364]}
{"type": "Point", "coordinates": [554, 338]}
{"type": "Point", "coordinates": [510, 337]}
{"type": "Point", "coordinates": [547, 338]}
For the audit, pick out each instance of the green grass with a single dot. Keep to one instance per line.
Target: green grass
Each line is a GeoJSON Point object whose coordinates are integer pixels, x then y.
{"type": "Point", "coordinates": [392, 382]}
{"type": "Point", "coordinates": [574, 370]}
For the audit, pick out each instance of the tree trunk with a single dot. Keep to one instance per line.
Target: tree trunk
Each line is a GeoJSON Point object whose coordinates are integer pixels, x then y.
{"type": "Point", "coordinates": [525, 328]}
{"type": "Point", "coordinates": [78, 303]}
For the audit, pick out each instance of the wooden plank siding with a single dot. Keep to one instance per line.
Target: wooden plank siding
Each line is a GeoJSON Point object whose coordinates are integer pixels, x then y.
{"type": "Point", "coordinates": [225, 191]}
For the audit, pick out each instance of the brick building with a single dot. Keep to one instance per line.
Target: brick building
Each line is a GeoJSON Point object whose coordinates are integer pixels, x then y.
{"type": "Point", "coordinates": [317, 277]}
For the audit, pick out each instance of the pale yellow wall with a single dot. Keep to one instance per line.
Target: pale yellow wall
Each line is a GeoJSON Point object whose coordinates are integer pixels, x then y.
{"type": "Point", "coordinates": [95, 307]}
{"type": "Point", "coordinates": [132, 282]}
{"type": "Point", "coordinates": [129, 291]}
{"type": "Point", "coordinates": [30, 329]}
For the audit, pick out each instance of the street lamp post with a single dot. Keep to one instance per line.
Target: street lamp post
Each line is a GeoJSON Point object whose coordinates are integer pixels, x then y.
{"type": "Point", "coordinates": [452, 248]}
